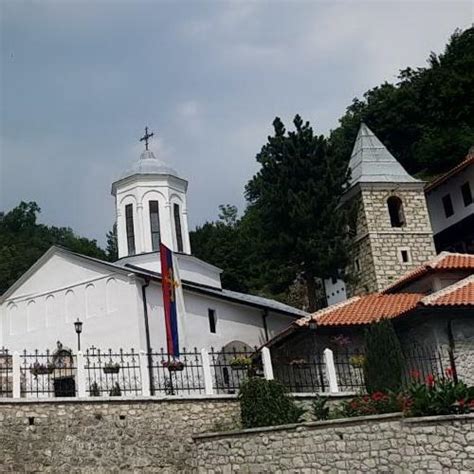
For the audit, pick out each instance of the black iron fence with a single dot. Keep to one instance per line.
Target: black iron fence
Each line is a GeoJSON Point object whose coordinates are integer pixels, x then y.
{"type": "Point", "coordinates": [421, 361]}
{"type": "Point", "coordinates": [112, 373]}
{"type": "Point", "coordinates": [349, 370]}
{"type": "Point", "coordinates": [170, 376]}
{"type": "Point", "coordinates": [129, 373]}
{"type": "Point", "coordinates": [302, 374]}
{"type": "Point", "coordinates": [6, 374]}
{"type": "Point", "coordinates": [229, 368]}
{"type": "Point", "coordinates": [48, 374]}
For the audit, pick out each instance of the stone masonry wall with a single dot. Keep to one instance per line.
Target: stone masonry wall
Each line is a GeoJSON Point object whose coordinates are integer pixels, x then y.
{"type": "Point", "coordinates": [384, 443]}
{"type": "Point", "coordinates": [106, 436]}
{"type": "Point", "coordinates": [377, 244]}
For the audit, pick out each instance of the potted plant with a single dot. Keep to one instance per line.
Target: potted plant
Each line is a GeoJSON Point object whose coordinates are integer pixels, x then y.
{"type": "Point", "coordinates": [115, 391]}
{"type": "Point", "coordinates": [41, 369]}
{"type": "Point", "coordinates": [357, 361]}
{"type": "Point", "coordinates": [299, 362]}
{"type": "Point", "coordinates": [111, 368]}
{"type": "Point", "coordinates": [173, 365]}
{"type": "Point", "coordinates": [240, 362]}
{"type": "Point", "coordinates": [94, 390]}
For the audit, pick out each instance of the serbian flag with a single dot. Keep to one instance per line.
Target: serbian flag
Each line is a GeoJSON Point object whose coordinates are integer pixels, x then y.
{"type": "Point", "coordinates": [169, 285]}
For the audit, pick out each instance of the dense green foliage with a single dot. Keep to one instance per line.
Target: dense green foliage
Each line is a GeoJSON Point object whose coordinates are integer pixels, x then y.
{"type": "Point", "coordinates": [266, 403]}
{"type": "Point", "coordinates": [384, 361]}
{"type": "Point", "coordinates": [426, 120]}
{"type": "Point", "coordinates": [23, 241]}
{"type": "Point", "coordinates": [296, 194]}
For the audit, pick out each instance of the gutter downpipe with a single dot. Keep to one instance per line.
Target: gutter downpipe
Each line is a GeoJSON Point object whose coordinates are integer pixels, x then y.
{"type": "Point", "coordinates": [265, 326]}
{"type": "Point", "coordinates": [147, 335]}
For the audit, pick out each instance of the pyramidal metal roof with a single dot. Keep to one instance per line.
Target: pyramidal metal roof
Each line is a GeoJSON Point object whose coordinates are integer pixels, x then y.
{"type": "Point", "coordinates": [371, 162]}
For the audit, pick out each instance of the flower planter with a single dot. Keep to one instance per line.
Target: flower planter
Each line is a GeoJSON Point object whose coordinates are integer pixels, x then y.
{"type": "Point", "coordinates": [41, 370]}
{"type": "Point", "coordinates": [174, 366]}
{"type": "Point", "coordinates": [111, 370]}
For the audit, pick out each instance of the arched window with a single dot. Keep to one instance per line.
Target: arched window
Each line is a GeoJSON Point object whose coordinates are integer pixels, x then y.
{"type": "Point", "coordinates": [395, 210]}
{"type": "Point", "coordinates": [177, 227]}
{"type": "Point", "coordinates": [130, 229]}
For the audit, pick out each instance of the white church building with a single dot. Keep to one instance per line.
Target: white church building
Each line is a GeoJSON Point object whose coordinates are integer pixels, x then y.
{"type": "Point", "coordinates": [120, 304]}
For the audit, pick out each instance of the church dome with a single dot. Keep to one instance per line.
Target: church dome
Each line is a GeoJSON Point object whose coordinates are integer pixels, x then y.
{"type": "Point", "coordinates": [148, 163]}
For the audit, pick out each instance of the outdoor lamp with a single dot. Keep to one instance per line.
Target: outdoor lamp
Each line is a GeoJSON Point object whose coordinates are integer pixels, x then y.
{"type": "Point", "coordinates": [312, 324]}
{"type": "Point", "coordinates": [78, 328]}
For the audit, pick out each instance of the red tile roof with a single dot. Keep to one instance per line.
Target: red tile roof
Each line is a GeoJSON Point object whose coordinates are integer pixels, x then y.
{"type": "Point", "coordinates": [445, 261]}
{"type": "Point", "coordinates": [459, 294]}
{"type": "Point", "coordinates": [365, 309]}
{"type": "Point", "coordinates": [453, 171]}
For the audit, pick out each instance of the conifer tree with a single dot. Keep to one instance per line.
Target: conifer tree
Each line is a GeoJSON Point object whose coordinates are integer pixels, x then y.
{"type": "Point", "coordinates": [384, 358]}
{"type": "Point", "coordinates": [296, 196]}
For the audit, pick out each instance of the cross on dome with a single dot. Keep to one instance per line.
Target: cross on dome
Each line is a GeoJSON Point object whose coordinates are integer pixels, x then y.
{"type": "Point", "coordinates": [146, 137]}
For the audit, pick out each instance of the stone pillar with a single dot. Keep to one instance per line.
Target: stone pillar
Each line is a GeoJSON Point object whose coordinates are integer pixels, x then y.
{"type": "Point", "coordinates": [81, 375]}
{"type": "Point", "coordinates": [145, 374]}
{"type": "Point", "coordinates": [331, 370]}
{"type": "Point", "coordinates": [267, 364]}
{"type": "Point", "coordinates": [16, 375]}
{"type": "Point", "coordinates": [206, 368]}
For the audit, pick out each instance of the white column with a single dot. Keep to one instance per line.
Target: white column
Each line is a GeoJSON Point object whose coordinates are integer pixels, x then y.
{"type": "Point", "coordinates": [139, 237]}
{"type": "Point", "coordinates": [206, 369]}
{"type": "Point", "coordinates": [81, 375]}
{"type": "Point", "coordinates": [145, 374]}
{"type": "Point", "coordinates": [331, 370]}
{"type": "Point", "coordinates": [267, 363]}
{"type": "Point", "coordinates": [16, 375]}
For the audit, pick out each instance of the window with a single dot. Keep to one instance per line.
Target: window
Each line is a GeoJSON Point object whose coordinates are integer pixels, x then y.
{"type": "Point", "coordinates": [177, 226]}
{"type": "Point", "coordinates": [333, 280]}
{"type": "Point", "coordinates": [357, 264]}
{"type": "Point", "coordinates": [404, 255]}
{"type": "Point", "coordinates": [129, 228]}
{"type": "Point", "coordinates": [211, 314]}
{"type": "Point", "coordinates": [395, 210]}
{"type": "Point", "coordinates": [448, 206]}
{"type": "Point", "coordinates": [154, 225]}
{"type": "Point", "coordinates": [466, 194]}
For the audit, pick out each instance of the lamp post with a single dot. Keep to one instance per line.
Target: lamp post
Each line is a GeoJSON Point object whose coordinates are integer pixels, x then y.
{"type": "Point", "coordinates": [78, 328]}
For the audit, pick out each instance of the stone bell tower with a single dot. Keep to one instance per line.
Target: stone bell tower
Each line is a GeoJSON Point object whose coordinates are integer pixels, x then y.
{"type": "Point", "coordinates": [150, 201]}
{"type": "Point", "coordinates": [392, 227]}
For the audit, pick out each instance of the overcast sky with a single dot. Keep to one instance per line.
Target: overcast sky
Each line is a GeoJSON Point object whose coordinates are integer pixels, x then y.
{"type": "Point", "coordinates": [80, 80]}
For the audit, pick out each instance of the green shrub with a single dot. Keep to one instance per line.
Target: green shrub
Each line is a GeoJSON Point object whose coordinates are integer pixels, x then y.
{"type": "Point", "coordinates": [438, 396]}
{"type": "Point", "coordinates": [383, 364]}
{"type": "Point", "coordinates": [320, 410]}
{"type": "Point", "coordinates": [266, 403]}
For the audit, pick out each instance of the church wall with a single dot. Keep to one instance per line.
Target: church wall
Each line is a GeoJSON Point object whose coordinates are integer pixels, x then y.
{"type": "Point", "coordinates": [45, 313]}
{"type": "Point", "coordinates": [234, 322]}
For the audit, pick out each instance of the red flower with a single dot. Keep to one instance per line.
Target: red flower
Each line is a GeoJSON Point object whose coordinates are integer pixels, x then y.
{"type": "Point", "coordinates": [449, 372]}
{"type": "Point", "coordinates": [471, 404]}
{"type": "Point", "coordinates": [377, 396]}
{"type": "Point", "coordinates": [415, 374]}
{"type": "Point", "coordinates": [430, 380]}
{"type": "Point", "coordinates": [461, 402]}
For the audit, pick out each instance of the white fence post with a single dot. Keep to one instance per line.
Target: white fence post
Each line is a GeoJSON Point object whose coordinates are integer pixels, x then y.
{"type": "Point", "coordinates": [81, 375]}
{"type": "Point", "coordinates": [331, 370]}
{"type": "Point", "coordinates": [145, 374]}
{"type": "Point", "coordinates": [267, 363]}
{"type": "Point", "coordinates": [16, 375]}
{"type": "Point", "coordinates": [206, 369]}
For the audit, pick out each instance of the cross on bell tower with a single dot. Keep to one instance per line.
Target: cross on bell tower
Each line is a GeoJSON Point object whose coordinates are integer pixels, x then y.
{"type": "Point", "coordinates": [146, 137]}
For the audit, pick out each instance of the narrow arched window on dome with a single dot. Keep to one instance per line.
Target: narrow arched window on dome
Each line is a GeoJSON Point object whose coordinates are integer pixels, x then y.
{"type": "Point", "coordinates": [130, 229]}
{"type": "Point", "coordinates": [395, 210]}
{"type": "Point", "coordinates": [177, 226]}
{"type": "Point", "coordinates": [154, 225]}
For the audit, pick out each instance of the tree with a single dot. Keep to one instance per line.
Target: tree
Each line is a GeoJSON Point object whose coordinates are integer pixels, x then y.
{"type": "Point", "coordinates": [383, 364]}
{"type": "Point", "coordinates": [427, 119]}
{"type": "Point", "coordinates": [296, 197]}
{"type": "Point", "coordinates": [23, 241]}
{"type": "Point", "coordinates": [112, 248]}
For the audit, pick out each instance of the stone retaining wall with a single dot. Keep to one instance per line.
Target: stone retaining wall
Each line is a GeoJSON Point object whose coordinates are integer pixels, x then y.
{"type": "Point", "coordinates": [383, 443]}
{"type": "Point", "coordinates": [126, 435]}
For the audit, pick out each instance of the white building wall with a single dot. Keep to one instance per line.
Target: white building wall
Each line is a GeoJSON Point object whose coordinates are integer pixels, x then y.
{"type": "Point", "coordinates": [43, 310]}
{"type": "Point", "coordinates": [452, 186]}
